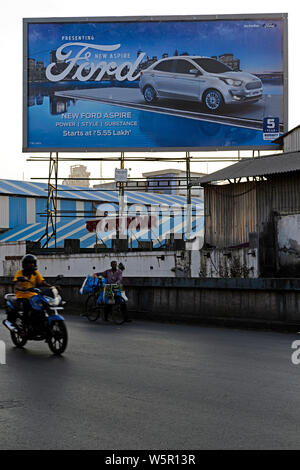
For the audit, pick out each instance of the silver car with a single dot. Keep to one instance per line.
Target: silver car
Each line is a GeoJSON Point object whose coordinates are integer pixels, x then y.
{"type": "Point", "coordinates": [202, 79]}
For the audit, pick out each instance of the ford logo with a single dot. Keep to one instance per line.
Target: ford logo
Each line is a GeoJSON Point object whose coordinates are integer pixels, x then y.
{"type": "Point", "coordinates": [269, 25]}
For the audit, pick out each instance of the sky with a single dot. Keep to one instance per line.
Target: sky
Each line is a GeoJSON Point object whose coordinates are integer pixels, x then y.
{"type": "Point", "coordinates": [237, 37]}
{"type": "Point", "coordinates": [13, 164]}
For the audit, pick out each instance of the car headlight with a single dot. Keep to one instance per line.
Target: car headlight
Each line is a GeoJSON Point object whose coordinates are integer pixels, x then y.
{"type": "Point", "coordinates": [232, 82]}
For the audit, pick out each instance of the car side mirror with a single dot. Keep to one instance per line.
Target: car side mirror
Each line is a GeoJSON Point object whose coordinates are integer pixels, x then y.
{"type": "Point", "coordinates": [195, 72]}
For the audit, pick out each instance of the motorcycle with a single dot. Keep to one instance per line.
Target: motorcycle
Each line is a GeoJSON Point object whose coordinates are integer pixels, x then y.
{"type": "Point", "coordinates": [42, 323]}
{"type": "Point", "coordinates": [103, 296]}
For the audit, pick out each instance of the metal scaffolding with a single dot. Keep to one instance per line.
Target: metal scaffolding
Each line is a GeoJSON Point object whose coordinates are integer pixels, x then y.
{"type": "Point", "coordinates": [51, 202]}
{"type": "Point", "coordinates": [132, 184]}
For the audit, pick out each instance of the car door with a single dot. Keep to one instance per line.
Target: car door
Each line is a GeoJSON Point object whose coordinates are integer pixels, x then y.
{"type": "Point", "coordinates": [164, 77]}
{"type": "Point", "coordinates": [187, 82]}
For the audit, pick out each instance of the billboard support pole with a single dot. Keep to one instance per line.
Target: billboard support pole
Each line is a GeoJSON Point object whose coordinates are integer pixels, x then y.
{"type": "Point", "coordinates": [188, 177]}
{"type": "Point", "coordinates": [121, 194]}
{"type": "Point", "coordinates": [51, 201]}
{"type": "Point", "coordinates": [188, 191]}
{"type": "Point", "coordinates": [55, 195]}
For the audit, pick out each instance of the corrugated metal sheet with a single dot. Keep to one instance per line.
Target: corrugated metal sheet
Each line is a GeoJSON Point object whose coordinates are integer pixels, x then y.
{"type": "Point", "coordinates": [284, 140]}
{"type": "Point", "coordinates": [233, 211]}
{"type": "Point", "coordinates": [67, 208]}
{"type": "Point", "coordinates": [31, 210]}
{"type": "Point", "coordinates": [26, 188]}
{"type": "Point", "coordinates": [291, 143]}
{"type": "Point", "coordinates": [88, 208]}
{"type": "Point", "coordinates": [279, 194]}
{"type": "Point", "coordinates": [41, 209]}
{"type": "Point", "coordinates": [76, 228]}
{"type": "Point", "coordinates": [230, 214]}
{"type": "Point", "coordinates": [17, 211]}
{"type": "Point", "coordinates": [260, 166]}
{"type": "Point", "coordinates": [4, 212]}
{"type": "Point", "coordinates": [25, 202]}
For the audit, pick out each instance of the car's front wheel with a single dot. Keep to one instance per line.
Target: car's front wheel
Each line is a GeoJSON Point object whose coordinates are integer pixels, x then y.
{"type": "Point", "coordinates": [213, 100]}
{"type": "Point", "coordinates": [149, 94]}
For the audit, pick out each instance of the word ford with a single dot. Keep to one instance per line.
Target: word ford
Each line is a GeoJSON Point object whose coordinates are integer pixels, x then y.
{"type": "Point", "coordinates": [110, 68]}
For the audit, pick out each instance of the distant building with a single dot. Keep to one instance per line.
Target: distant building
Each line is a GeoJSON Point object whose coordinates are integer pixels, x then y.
{"type": "Point", "coordinates": [76, 172]}
{"type": "Point", "coordinates": [40, 70]}
{"type": "Point", "coordinates": [290, 141]}
{"type": "Point", "coordinates": [172, 181]}
{"type": "Point", "coordinates": [53, 58]}
{"type": "Point", "coordinates": [228, 59]}
{"type": "Point", "coordinates": [31, 69]}
{"type": "Point", "coordinates": [36, 70]}
{"type": "Point", "coordinates": [253, 217]}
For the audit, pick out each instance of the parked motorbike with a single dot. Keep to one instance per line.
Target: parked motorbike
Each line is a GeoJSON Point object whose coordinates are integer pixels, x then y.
{"type": "Point", "coordinates": [42, 323]}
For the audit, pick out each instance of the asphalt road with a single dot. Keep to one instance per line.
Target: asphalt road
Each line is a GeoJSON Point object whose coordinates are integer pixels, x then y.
{"type": "Point", "coordinates": [243, 115]}
{"type": "Point", "coordinates": [152, 386]}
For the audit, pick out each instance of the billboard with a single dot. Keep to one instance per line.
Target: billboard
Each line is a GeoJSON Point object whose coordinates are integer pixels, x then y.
{"type": "Point", "coordinates": [155, 83]}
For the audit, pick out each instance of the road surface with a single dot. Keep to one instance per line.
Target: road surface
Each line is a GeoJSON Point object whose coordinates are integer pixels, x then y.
{"type": "Point", "coordinates": [247, 115]}
{"type": "Point", "coordinates": [148, 385]}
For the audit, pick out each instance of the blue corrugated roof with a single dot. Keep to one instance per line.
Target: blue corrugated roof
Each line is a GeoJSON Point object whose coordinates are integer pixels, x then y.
{"type": "Point", "coordinates": [76, 228]}
{"type": "Point", "coordinates": [35, 189]}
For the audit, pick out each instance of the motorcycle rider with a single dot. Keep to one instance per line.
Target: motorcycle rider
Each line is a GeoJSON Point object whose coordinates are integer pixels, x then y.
{"type": "Point", "coordinates": [26, 280]}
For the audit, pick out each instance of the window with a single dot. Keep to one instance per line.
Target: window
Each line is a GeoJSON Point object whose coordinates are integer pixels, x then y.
{"type": "Point", "coordinates": [184, 66]}
{"type": "Point", "coordinates": [212, 65]}
{"type": "Point", "coordinates": [165, 66]}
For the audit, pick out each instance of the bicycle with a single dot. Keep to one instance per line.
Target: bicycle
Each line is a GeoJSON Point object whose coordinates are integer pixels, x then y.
{"type": "Point", "coordinates": [115, 310]}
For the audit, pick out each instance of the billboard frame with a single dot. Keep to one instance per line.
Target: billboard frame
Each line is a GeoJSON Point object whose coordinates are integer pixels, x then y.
{"type": "Point", "coordinates": [135, 19]}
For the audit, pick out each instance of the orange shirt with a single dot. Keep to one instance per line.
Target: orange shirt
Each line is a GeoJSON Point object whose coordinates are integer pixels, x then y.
{"type": "Point", "coordinates": [32, 281]}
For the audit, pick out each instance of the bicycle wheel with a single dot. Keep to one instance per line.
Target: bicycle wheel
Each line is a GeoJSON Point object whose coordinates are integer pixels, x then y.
{"type": "Point", "coordinates": [118, 316]}
{"type": "Point", "coordinates": [92, 310]}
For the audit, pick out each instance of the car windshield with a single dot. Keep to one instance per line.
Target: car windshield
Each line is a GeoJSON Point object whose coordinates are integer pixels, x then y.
{"type": "Point", "coordinates": [212, 65]}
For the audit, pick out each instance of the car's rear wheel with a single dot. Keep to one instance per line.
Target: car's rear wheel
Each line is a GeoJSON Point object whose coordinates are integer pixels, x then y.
{"type": "Point", "coordinates": [149, 94]}
{"type": "Point", "coordinates": [213, 100]}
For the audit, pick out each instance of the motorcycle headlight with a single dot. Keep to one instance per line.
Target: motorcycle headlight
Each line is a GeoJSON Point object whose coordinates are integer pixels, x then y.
{"type": "Point", "coordinates": [53, 302]}
{"type": "Point", "coordinates": [232, 82]}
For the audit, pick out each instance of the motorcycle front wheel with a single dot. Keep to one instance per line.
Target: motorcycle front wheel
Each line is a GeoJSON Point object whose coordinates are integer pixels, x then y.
{"type": "Point", "coordinates": [58, 337]}
{"type": "Point", "coordinates": [18, 338]}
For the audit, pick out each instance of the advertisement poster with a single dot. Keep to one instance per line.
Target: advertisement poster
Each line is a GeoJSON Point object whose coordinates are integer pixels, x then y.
{"type": "Point", "coordinates": [167, 84]}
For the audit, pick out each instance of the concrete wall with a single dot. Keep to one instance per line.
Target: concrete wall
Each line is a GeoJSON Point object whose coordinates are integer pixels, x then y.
{"type": "Point", "coordinates": [250, 302]}
{"type": "Point", "coordinates": [11, 254]}
{"type": "Point", "coordinates": [288, 243]}
{"type": "Point", "coordinates": [226, 263]}
{"type": "Point", "coordinates": [144, 264]}
{"type": "Point", "coordinates": [191, 262]}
